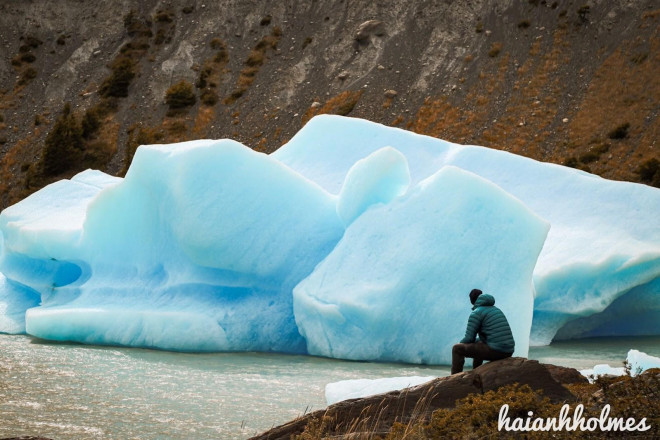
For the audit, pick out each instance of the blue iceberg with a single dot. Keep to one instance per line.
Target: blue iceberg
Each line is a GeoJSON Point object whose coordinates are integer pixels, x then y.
{"type": "Point", "coordinates": [353, 240]}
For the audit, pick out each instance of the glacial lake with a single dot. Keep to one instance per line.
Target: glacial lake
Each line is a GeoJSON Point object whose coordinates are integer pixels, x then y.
{"type": "Point", "coordinates": [70, 391]}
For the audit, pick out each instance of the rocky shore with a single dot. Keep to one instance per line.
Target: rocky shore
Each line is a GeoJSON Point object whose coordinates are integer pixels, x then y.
{"type": "Point", "coordinates": [540, 386]}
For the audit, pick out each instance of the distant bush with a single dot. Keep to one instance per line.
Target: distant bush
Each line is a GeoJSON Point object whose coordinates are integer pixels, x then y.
{"type": "Point", "coordinates": [166, 16]}
{"type": "Point", "coordinates": [64, 144]}
{"type": "Point", "coordinates": [187, 9]}
{"type": "Point", "coordinates": [137, 27]}
{"type": "Point", "coordinates": [90, 123]}
{"type": "Point", "coordinates": [123, 72]}
{"type": "Point", "coordinates": [61, 40]}
{"type": "Point", "coordinates": [589, 156]}
{"type": "Point", "coordinates": [254, 61]}
{"type": "Point", "coordinates": [26, 76]}
{"type": "Point", "coordinates": [204, 74]}
{"type": "Point", "coordinates": [620, 132]}
{"type": "Point", "coordinates": [307, 42]}
{"type": "Point", "coordinates": [495, 49]}
{"type": "Point", "coordinates": [649, 172]}
{"type": "Point", "coordinates": [33, 42]}
{"type": "Point", "coordinates": [28, 57]}
{"type": "Point", "coordinates": [524, 24]}
{"type": "Point", "coordinates": [209, 97]}
{"type": "Point", "coordinates": [266, 20]}
{"type": "Point", "coordinates": [479, 28]}
{"type": "Point", "coordinates": [583, 13]}
{"type": "Point", "coordinates": [571, 162]}
{"type": "Point", "coordinates": [180, 95]}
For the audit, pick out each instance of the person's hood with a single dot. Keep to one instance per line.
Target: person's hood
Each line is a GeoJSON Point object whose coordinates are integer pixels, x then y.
{"type": "Point", "coordinates": [484, 300]}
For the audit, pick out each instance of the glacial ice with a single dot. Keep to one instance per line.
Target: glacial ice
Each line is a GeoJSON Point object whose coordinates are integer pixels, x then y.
{"type": "Point", "coordinates": [352, 240]}
{"type": "Point", "coordinates": [399, 277]}
{"type": "Point", "coordinates": [637, 361]}
{"type": "Point", "coordinates": [357, 388]}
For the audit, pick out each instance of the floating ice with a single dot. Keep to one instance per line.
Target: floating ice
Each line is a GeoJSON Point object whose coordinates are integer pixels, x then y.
{"type": "Point", "coordinates": [203, 244]}
{"type": "Point", "coordinates": [638, 362]}
{"type": "Point", "coordinates": [357, 388]}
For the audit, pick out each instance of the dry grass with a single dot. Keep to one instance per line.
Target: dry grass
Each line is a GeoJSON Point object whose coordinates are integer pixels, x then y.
{"type": "Point", "coordinates": [256, 58]}
{"type": "Point", "coordinates": [342, 104]}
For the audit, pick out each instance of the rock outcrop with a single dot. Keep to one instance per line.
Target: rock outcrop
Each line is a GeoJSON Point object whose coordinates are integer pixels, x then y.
{"type": "Point", "coordinates": [400, 406]}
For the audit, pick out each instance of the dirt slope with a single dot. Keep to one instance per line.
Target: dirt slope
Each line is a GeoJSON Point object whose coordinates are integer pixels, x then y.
{"type": "Point", "coordinates": [569, 82]}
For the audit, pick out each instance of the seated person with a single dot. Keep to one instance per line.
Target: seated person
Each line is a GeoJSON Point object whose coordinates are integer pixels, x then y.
{"type": "Point", "coordinates": [495, 338]}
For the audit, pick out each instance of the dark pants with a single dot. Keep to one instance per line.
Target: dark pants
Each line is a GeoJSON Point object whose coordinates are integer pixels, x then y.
{"type": "Point", "coordinates": [479, 351]}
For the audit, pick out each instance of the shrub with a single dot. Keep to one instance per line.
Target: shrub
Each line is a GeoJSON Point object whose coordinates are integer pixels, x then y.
{"type": "Point", "coordinates": [589, 156]}
{"type": "Point", "coordinates": [266, 20]}
{"type": "Point", "coordinates": [256, 58]}
{"type": "Point", "coordinates": [479, 28]}
{"type": "Point", "coordinates": [649, 172]}
{"type": "Point", "coordinates": [28, 57]}
{"type": "Point", "coordinates": [61, 40]}
{"type": "Point", "coordinates": [307, 42]}
{"type": "Point", "coordinates": [204, 74]}
{"type": "Point", "coordinates": [136, 27]}
{"type": "Point", "coordinates": [216, 43]}
{"type": "Point", "coordinates": [495, 49]}
{"type": "Point", "coordinates": [33, 42]}
{"type": "Point", "coordinates": [209, 97]}
{"type": "Point", "coordinates": [123, 72]}
{"type": "Point", "coordinates": [639, 58]}
{"type": "Point", "coordinates": [571, 162]}
{"type": "Point", "coordinates": [583, 13]}
{"type": "Point", "coordinates": [28, 75]}
{"type": "Point", "coordinates": [620, 132]}
{"type": "Point", "coordinates": [180, 95]}
{"type": "Point", "coordinates": [64, 144]}
{"type": "Point", "coordinates": [187, 9]}
{"type": "Point", "coordinates": [524, 24]}
{"type": "Point", "coordinates": [164, 16]}
{"type": "Point", "coordinates": [90, 123]}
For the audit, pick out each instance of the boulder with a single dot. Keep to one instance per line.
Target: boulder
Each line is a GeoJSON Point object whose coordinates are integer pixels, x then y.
{"type": "Point", "coordinates": [399, 406]}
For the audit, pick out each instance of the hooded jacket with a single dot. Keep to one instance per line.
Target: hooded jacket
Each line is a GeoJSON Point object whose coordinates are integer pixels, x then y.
{"type": "Point", "coordinates": [490, 324]}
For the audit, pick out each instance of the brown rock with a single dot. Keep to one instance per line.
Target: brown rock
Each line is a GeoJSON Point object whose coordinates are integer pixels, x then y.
{"type": "Point", "coordinates": [398, 406]}
{"type": "Point", "coordinates": [369, 28]}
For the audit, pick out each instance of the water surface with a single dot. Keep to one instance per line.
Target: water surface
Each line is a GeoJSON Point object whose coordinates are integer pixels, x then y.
{"type": "Point", "coordinates": [69, 391]}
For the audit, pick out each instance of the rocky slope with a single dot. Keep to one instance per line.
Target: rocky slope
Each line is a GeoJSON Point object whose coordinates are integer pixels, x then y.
{"type": "Point", "coordinates": [571, 82]}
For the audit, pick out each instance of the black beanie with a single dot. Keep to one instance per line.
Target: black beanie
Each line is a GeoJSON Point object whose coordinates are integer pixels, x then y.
{"type": "Point", "coordinates": [474, 294]}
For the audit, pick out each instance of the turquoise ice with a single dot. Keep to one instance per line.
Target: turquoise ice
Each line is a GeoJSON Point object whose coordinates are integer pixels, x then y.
{"type": "Point", "coordinates": [353, 240]}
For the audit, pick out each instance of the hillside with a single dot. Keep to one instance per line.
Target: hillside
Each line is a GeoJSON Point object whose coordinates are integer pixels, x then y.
{"type": "Point", "coordinates": [82, 84]}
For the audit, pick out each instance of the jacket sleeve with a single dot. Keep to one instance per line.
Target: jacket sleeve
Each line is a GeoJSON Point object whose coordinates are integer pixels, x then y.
{"type": "Point", "coordinates": [473, 325]}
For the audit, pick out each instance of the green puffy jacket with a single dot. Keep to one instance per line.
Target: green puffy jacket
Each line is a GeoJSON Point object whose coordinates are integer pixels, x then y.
{"type": "Point", "coordinates": [490, 323]}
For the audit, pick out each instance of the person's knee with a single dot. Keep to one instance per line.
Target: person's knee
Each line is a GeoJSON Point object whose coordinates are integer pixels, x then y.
{"type": "Point", "coordinates": [458, 349]}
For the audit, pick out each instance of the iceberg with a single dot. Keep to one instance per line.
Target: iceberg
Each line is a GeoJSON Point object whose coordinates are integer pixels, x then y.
{"type": "Point", "coordinates": [400, 276]}
{"type": "Point", "coordinates": [358, 388]}
{"type": "Point", "coordinates": [353, 240]}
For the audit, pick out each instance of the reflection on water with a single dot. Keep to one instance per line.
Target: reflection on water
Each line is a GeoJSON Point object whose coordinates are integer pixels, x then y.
{"type": "Point", "coordinates": [69, 391]}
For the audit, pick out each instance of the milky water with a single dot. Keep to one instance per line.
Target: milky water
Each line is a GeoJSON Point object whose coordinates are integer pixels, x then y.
{"type": "Point", "coordinates": [67, 391]}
